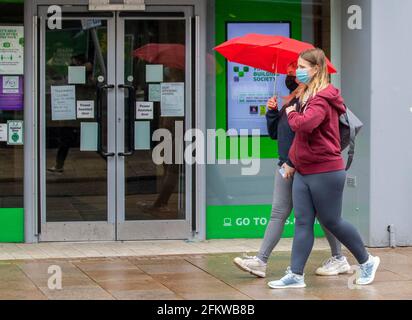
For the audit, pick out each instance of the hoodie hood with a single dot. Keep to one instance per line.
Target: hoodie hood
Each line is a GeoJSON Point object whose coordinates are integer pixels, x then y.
{"type": "Point", "coordinates": [333, 97]}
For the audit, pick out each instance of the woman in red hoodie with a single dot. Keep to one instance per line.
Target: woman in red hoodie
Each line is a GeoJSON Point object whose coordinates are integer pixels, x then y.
{"type": "Point", "coordinates": [320, 172]}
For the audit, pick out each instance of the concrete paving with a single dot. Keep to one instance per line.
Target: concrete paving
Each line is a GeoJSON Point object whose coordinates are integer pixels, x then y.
{"type": "Point", "coordinates": [201, 276]}
{"type": "Point", "coordinates": [15, 251]}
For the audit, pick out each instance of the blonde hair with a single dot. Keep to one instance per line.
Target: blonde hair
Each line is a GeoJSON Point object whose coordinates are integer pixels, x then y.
{"type": "Point", "coordinates": [315, 57]}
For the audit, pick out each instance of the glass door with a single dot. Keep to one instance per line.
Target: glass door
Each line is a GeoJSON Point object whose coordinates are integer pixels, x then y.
{"type": "Point", "coordinates": [115, 89]}
{"type": "Point", "coordinates": [154, 110]}
{"type": "Point", "coordinates": [77, 129]}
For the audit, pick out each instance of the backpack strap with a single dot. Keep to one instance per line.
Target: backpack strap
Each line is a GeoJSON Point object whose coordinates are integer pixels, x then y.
{"type": "Point", "coordinates": [351, 152]}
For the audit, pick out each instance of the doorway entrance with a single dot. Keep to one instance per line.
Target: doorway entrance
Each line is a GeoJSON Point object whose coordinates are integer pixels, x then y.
{"type": "Point", "coordinates": [108, 81]}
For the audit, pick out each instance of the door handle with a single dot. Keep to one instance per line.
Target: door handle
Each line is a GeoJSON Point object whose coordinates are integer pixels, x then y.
{"type": "Point", "coordinates": [100, 90]}
{"type": "Point", "coordinates": [132, 117]}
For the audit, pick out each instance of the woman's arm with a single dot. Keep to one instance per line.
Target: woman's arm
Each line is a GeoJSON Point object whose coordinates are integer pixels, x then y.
{"type": "Point", "coordinates": [307, 121]}
{"type": "Point", "coordinates": [272, 121]}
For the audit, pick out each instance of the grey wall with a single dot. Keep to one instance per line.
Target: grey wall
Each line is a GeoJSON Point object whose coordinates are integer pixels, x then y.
{"type": "Point", "coordinates": [355, 84]}
{"type": "Point", "coordinates": [391, 152]}
{"type": "Point", "coordinates": [375, 82]}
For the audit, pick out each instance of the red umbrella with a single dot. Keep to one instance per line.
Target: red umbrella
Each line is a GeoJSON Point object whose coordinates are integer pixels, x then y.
{"type": "Point", "coordinates": [269, 53]}
{"type": "Point", "coordinates": [172, 55]}
{"type": "Point", "coordinates": [169, 54]}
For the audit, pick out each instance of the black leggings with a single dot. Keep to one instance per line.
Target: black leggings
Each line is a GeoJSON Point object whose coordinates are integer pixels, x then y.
{"type": "Point", "coordinates": [321, 195]}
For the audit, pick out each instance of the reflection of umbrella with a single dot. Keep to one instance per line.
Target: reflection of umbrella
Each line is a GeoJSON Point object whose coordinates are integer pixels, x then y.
{"type": "Point", "coordinates": [172, 55]}
{"type": "Point", "coordinates": [269, 53]}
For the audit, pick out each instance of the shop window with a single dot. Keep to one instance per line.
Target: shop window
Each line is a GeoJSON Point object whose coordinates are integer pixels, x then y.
{"type": "Point", "coordinates": [11, 123]}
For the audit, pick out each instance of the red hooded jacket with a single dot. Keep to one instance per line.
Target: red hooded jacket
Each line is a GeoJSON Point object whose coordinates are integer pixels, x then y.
{"type": "Point", "coordinates": [316, 147]}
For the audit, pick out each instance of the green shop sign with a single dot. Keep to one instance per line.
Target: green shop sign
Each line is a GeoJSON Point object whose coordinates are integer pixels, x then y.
{"type": "Point", "coordinates": [234, 222]}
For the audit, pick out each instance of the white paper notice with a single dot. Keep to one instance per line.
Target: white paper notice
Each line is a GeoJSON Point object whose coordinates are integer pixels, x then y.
{"type": "Point", "coordinates": [77, 75]}
{"type": "Point", "coordinates": [63, 101]}
{"type": "Point", "coordinates": [173, 99]}
{"type": "Point", "coordinates": [144, 110]}
{"type": "Point", "coordinates": [154, 73]}
{"type": "Point", "coordinates": [10, 84]}
{"type": "Point", "coordinates": [3, 132]}
{"type": "Point", "coordinates": [154, 92]}
{"type": "Point", "coordinates": [85, 109]}
{"type": "Point", "coordinates": [11, 50]}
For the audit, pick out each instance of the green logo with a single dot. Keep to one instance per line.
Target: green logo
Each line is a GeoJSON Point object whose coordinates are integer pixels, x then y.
{"type": "Point", "coordinates": [15, 137]}
{"type": "Point", "coordinates": [240, 72]}
{"type": "Point", "coordinates": [6, 45]}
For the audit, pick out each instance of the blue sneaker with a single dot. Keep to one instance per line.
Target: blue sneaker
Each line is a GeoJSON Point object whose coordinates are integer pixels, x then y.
{"type": "Point", "coordinates": [290, 280]}
{"type": "Point", "coordinates": [368, 270]}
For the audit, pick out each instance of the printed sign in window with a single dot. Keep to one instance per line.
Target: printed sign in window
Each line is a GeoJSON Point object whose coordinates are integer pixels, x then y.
{"type": "Point", "coordinates": [15, 132]}
{"type": "Point", "coordinates": [249, 89]}
{"type": "Point", "coordinates": [11, 50]}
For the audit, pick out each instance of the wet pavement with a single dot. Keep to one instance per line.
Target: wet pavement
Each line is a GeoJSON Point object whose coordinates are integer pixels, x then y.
{"type": "Point", "coordinates": [201, 276]}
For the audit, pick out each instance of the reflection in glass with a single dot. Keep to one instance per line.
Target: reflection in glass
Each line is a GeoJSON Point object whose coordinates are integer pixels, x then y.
{"type": "Point", "coordinates": [76, 181]}
{"type": "Point", "coordinates": [155, 192]}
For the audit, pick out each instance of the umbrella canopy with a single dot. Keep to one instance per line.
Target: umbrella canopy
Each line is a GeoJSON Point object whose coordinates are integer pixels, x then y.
{"type": "Point", "coordinates": [172, 55]}
{"type": "Point", "coordinates": [269, 53]}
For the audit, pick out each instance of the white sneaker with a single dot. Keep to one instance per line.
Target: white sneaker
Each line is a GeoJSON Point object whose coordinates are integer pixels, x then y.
{"type": "Point", "coordinates": [368, 270]}
{"type": "Point", "coordinates": [290, 280]}
{"type": "Point", "coordinates": [333, 267]}
{"type": "Point", "coordinates": [252, 265]}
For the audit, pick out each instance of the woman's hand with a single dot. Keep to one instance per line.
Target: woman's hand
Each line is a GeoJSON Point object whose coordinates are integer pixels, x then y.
{"type": "Point", "coordinates": [272, 104]}
{"type": "Point", "coordinates": [289, 171]}
{"type": "Point", "coordinates": [291, 109]}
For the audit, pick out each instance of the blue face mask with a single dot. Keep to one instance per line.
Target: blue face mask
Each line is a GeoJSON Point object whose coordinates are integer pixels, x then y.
{"type": "Point", "coordinates": [303, 75]}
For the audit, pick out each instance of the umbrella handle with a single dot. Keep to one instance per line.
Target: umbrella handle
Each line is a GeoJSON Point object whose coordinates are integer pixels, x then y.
{"type": "Point", "coordinates": [276, 75]}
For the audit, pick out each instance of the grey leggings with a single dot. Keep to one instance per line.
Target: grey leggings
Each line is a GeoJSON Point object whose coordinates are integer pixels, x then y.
{"type": "Point", "coordinates": [281, 209]}
{"type": "Point", "coordinates": [321, 194]}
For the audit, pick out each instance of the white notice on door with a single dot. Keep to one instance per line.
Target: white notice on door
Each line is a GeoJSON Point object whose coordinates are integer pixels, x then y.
{"type": "Point", "coordinates": [144, 110]}
{"type": "Point", "coordinates": [173, 99]}
{"type": "Point", "coordinates": [85, 109]}
{"type": "Point", "coordinates": [63, 101]}
{"type": "Point", "coordinates": [3, 132]}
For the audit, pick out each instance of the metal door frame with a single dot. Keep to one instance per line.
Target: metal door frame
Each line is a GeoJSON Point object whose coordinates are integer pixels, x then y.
{"type": "Point", "coordinates": [110, 230]}
{"type": "Point", "coordinates": [78, 231]}
{"type": "Point", "coordinates": [153, 229]}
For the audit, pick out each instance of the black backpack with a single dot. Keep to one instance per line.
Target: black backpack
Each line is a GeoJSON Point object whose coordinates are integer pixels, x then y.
{"type": "Point", "coordinates": [349, 127]}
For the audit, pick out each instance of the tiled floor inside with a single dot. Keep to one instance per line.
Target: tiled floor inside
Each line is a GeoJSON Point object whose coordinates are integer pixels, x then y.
{"type": "Point", "coordinates": [206, 274]}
